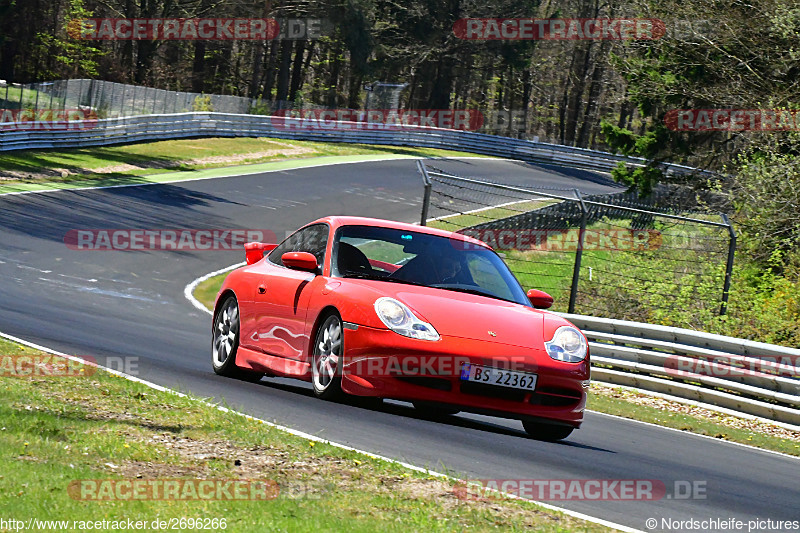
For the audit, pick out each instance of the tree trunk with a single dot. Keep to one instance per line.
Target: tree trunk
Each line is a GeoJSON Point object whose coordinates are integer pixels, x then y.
{"type": "Point", "coordinates": [269, 70]}
{"type": "Point", "coordinates": [283, 74]}
{"type": "Point", "coordinates": [527, 87]}
{"type": "Point", "coordinates": [199, 67]}
{"type": "Point", "coordinates": [440, 93]}
{"type": "Point", "coordinates": [595, 94]}
{"type": "Point", "coordinates": [255, 76]}
{"type": "Point", "coordinates": [333, 80]}
{"type": "Point", "coordinates": [297, 69]}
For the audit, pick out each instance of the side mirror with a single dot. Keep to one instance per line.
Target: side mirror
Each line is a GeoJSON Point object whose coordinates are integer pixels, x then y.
{"type": "Point", "coordinates": [300, 261]}
{"type": "Point", "coordinates": [540, 299]}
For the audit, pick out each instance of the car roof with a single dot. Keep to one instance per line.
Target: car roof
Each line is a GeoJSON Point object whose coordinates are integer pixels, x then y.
{"type": "Point", "coordinates": [339, 221]}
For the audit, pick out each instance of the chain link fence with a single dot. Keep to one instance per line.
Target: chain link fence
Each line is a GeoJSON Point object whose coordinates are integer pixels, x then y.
{"type": "Point", "coordinates": [99, 99]}
{"type": "Point", "coordinates": [612, 255]}
{"type": "Point", "coordinates": [112, 100]}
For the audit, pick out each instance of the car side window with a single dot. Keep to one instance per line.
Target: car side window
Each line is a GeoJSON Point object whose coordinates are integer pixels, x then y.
{"type": "Point", "coordinates": [312, 239]}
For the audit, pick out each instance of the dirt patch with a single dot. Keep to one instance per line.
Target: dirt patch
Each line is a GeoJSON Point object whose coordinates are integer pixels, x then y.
{"type": "Point", "coordinates": [221, 459]}
{"type": "Point", "coordinates": [221, 160]}
{"type": "Point", "coordinates": [317, 476]}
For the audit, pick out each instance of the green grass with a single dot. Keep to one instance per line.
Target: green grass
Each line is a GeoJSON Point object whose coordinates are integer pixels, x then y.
{"type": "Point", "coordinates": [458, 221]}
{"type": "Point", "coordinates": [168, 156]}
{"type": "Point", "coordinates": [385, 251]}
{"type": "Point", "coordinates": [206, 291]}
{"type": "Point", "coordinates": [95, 426]}
{"type": "Point", "coordinates": [27, 97]}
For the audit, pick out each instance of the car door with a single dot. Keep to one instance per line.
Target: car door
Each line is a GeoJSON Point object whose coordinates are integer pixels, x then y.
{"type": "Point", "coordinates": [282, 294]}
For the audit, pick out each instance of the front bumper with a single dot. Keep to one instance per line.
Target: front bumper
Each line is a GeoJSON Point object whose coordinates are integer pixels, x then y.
{"type": "Point", "coordinates": [384, 364]}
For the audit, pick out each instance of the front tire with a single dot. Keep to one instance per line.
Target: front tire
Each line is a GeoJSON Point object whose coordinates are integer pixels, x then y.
{"type": "Point", "coordinates": [326, 363]}
{"type": "Point", "coordinates": [225, 343]}
{"type": "Point", "coordinates": [548, 432]}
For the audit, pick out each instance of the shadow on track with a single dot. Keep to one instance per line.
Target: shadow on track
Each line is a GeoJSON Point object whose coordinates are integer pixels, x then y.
{"type": "Point", "coordinates": [42, 215]}
{"type": "Point", "coordinates": [377, 405]}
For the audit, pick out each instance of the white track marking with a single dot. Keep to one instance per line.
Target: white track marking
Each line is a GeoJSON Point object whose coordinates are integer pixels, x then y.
{"type": "Point", "coordinates": [188, 291]}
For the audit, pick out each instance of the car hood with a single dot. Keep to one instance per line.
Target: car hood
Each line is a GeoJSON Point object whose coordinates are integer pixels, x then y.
{"type": "Point", "coordinates": [469, 316]}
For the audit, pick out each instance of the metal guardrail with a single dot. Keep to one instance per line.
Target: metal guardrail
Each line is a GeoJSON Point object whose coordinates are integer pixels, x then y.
{"type": "Point", "coordinates": [20, 136]}
{"type": "Point", "coordinates": [749, 377]}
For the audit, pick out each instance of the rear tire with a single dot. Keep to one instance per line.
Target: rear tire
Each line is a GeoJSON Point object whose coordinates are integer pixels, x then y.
{"type": "Point", "coordinates": [225, 343]}
{"type": "Point", "coordinates": [326, 359]}
{"type": "Point", "coordinates": [548, 432]}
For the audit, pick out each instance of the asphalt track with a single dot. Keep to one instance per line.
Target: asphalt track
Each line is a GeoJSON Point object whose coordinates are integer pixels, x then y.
{"type": "Point", "coordinates": [113, 305]}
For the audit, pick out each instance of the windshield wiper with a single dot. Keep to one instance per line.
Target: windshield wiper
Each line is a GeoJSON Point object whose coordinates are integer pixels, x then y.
{"type": "Point", "coordinates": [382, 278]}
{"type": "Point", "coordinates": [473, 291]}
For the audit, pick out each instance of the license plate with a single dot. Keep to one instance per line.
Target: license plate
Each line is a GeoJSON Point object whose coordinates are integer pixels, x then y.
{"type": "Point", "coordinates": [496, 376]}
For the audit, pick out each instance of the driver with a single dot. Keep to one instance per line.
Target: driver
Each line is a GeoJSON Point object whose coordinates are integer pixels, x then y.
{"type": "Point", "coordinates": [449, 268]}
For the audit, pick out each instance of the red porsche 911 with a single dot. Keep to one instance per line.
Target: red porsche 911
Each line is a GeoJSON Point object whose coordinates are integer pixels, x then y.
{"type": "Point", "coordinates": [384, 309]}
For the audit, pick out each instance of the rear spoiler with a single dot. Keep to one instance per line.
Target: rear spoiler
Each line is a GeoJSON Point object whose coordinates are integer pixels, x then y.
{"type": "Point", "coordinates": [254, 251]}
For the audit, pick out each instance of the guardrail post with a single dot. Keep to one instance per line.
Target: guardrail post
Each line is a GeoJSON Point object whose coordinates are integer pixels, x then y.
{"type": "Point", "coordinates": [576, 271]}
{"type": "Point", "coordinates": [426, 199]}
{"type": "Point", "coordinates": [729, 266]}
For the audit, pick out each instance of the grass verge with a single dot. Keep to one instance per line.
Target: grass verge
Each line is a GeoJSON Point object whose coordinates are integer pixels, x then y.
{"type": "Point", "coordinates": [96, 426]}
{"type": "Point", "coordinates": [206, 291]}
{"type": "Point", "coordinates": [151, 158]}
{"type": "Point", "coordinates": [645, 408]}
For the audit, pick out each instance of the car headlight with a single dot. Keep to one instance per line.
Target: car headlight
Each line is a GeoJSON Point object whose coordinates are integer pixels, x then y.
{"type": "Point", "coordinates": [402, 320]}
{"type": "Point", "coordinates": [568, 345]}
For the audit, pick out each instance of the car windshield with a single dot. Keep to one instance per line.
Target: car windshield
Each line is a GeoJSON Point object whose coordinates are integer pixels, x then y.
{"type": "Point", "coordinates": [394, 255]}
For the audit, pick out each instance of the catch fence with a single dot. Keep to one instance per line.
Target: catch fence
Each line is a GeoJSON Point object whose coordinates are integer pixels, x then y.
{"type": "Point", "coordinates": [610, 255]}
{"type": "Point", "coordinates": [107, 99]}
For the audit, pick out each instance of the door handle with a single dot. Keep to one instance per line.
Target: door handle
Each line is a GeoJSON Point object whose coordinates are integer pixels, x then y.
{"type": "Point", "coordinates": [262, 289]}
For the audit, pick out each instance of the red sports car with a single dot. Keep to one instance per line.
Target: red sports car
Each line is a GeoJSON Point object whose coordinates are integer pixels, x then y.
{"type": "Point", "coordinates": [390, 310]}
